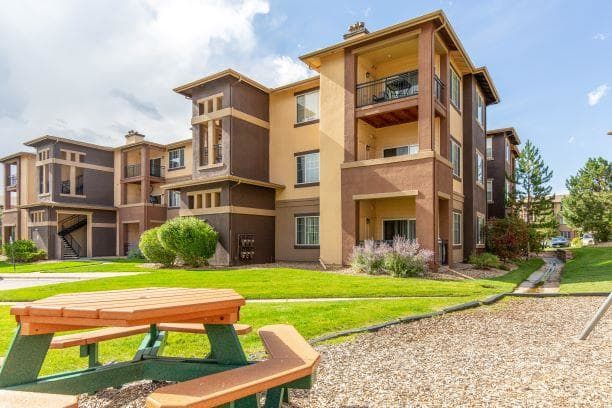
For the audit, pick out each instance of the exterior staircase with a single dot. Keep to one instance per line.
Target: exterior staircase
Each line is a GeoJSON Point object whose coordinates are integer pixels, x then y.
{"type": "Point", "coordinates": [72, 249]}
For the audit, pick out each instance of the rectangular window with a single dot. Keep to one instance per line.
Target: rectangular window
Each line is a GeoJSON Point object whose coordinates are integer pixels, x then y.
{"type": "Point", "coordinates": [457, 227]}
{"type": "Point", "coordinates": [401, 150]}
{"type": "Point", "coordinates": [399, 228]}
{"type": "Point", "coordinates": [155, 199]}
{"type": "Point", "coordinates": [479, 169]}
{"type": "Point", "coordinates": [566, 234]}
{"type": "Point", "coordinates": [480, 109]}
{"type": "Point", "coordinates": [455, 89]}
{"type": "Point", "coordinates": [489, 147]}
{"type": "Point", "coordinates": [508, 189]}
{"type": "Point", "coordinates": [307, 230]}
{"type": "Point", "coordinates": [480, 230]}
{"type": "Point", "coordinates": [455, 149]}
{"type": "Point", "coordinates": [507, 151]}
{"type": "Point", "coordinates": [307, 107]}
{"type": "Point", "coordinates": [489, 190]}
{"type": "Point", "coordinates": [37, 216]}
{"type": "Point", "coordinates": [307, 168]}
{"type": "Point", "coordinates": [174, 199]}
{"type": "Point", "coordinates": [176, 158]}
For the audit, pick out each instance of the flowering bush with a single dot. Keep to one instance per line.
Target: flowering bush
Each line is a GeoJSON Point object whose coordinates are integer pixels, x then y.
{"type": "Point", "coordinates": [404, 258]}
{"type": "Point", "coordinates": [508, 237]}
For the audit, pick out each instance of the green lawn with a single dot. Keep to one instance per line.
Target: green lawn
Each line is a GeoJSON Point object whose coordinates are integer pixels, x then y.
{"type": "Point", "coordinates": [98, 265]}
{"type": "Point", "coordinates": [284, 283]}
{"type": "Point", "coordinates": [589, 271]}
{"type": "Point", "coordinates": [311, 319]}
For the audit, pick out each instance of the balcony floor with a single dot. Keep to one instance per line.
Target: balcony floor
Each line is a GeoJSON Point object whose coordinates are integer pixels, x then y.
{"type": "Point", "coordinates": [389, 113]}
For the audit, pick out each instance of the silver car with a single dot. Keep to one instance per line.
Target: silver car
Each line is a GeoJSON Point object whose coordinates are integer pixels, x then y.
{"type": "Point", "coordinates": [558, 242]}
{"type": "Point", "coordinates": [588, 239]}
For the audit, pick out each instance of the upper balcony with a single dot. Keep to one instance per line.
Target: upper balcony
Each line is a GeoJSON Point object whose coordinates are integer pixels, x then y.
{"type": "Point", "coordinates": [11, 181]}
{"type": "Point", "coordinates": [135, 170]}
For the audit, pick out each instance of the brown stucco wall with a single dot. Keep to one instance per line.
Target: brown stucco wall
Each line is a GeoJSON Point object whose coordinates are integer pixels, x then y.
{"type": "Point", "coordinates": [285, 230]}
{"type": "Point", "coordinates": [496, 170]}
{"type": "Point", "coordinates": [262, 227]}
{"type": "Point", "coordinates": [250, 147]}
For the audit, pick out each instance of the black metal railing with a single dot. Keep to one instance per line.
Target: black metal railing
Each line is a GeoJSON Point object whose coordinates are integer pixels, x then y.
{"type": "Point", "coordinates": [12, 181]}
{"type": "Point", "coordinates": [71, 242]}
{"type": "Point", "coordinates": [204, 156]}
{"type": "Point", "coordinates": [133, 170]}
{"type": "Point", "coordinates": [155, 199]}
{"type": "Point", "coordinates": [66, 187]}
{"type": "Point", "coordinates": [79, 185]}
{"type": "Point", "coordinates": [438, 89]}
{"type": "Point", "coordinates": [218, 155]}
{"type": "Point", "coordinates": [387, 89]}
{"type": "Point", "coordinates": [157, 171]}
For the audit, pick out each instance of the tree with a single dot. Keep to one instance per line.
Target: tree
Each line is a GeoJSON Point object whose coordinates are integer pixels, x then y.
{"type": "Point", "coordinates": [588, 206]}
{"type": "Point", "coordinates": [533, 199]}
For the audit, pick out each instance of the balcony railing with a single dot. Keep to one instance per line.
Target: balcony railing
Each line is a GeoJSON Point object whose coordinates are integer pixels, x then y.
{"type": "Point", "coordinates": [157, 171]}
{"type": "Point", "coordinates": [133, 170]}
{"type": "Point", "coordinates": [438, 89]}
{"type": "Point", "coordinates": [79, 186]}
{"type": "Point", "coordinates": [387, 89]}
{"type": "Point", "coordinates": [218, 154]}
{"type": "Point", "coordinates": [12, 181]}
{"type": "Point", "coordinates": [66, 187]}
{"type": "Point", "coordinates": [204, 156]}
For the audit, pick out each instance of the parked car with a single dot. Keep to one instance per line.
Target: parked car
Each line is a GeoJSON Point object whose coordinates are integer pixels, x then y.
{"type": "Point", "coordinates": [558, 242]}
{"type": "Point", "coordinates": [588, 239]}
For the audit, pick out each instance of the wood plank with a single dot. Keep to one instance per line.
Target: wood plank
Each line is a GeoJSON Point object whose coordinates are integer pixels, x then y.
{"type": "Point", "coordinates": [96, 336]}
{"type": "Point", "coordinates": [20, 399]}
{"type": "Point", "coordinates": [198, 328]}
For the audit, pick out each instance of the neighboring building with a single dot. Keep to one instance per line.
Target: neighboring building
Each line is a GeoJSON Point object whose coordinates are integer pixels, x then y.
{"type": "Point", "coordinates": [388, 140]}
{"type": "Point", "coordinates": [502, 152]}
{"type": "Point", "coordinates": [564, 229]}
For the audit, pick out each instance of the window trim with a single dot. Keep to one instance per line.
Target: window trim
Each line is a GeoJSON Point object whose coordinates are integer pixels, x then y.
{"type": "Point", "coordinates": [458, 105]}
{"type": "Point", "coordinates": [490, 183]}
{"type": "Point", "coordinates": [478, 235]}
{"type": "Point", "coordinates": [306, 183]}
{"type": "Point", "coordinates": [170, 193]}
{"type": "Point", "coordinates": [484, 176]}
{"type": "Point", "coordinates": [460, 214]}
{"type": "Point", "coordinates": [489, 140]}
{"type": "Point", "coordinates": [400, 146]}
{"type": "Point", "coordinates": [455, 141]}
{"type": "Point", "coordinates": [295, 231]}
{"type": "Point", "coordinates": [303, 93]}
{"type": "Point", "coordinates": [480, 101]}
{"type": "Point", "coordinates": [507, 150]}
{"type": "Point", "coordinates": [182, 165]}
{"type": "Point", "coordinates": [382, 226]}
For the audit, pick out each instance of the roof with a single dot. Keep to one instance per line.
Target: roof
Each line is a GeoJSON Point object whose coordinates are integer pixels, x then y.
{"type": "Point", "coordinates": [296, 83]}
{"type": "Point", "coordinates": [15, 155]}
{"type": "Point", "coordinates": [509, 132]}
{"type": "Point", "coordinates": [186, 88]}
{"type": "Point", "coordinates": [443, 26]}
{"type": "Point", "coordinates": [210, 180]}
{"type": "Point", "coordinates": [34, 142]}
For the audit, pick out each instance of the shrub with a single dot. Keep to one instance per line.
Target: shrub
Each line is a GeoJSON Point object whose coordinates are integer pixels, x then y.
{"type": "Point", "coordinates": [507, 237]}
{"type": "Point", "coordinates": [576, 242]}
{"type": "Point", "coordinates": [404, 258]}
{"type": "Point", "coordinates": [369, 258]}
{"type": "Point", "coordinates": [153, 250]}
{"type": "Point", "coordinates": [135, 254]}
{"type": "Point", "coordinates": [193, 240]}
{"type": "Point", "coordinates": [23, 250]}
{"type": "Point", "coordinates": [485, 260]}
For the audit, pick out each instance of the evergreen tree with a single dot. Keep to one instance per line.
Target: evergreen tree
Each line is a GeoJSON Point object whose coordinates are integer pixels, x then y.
{"type": "Point", "coordinates": [532, 199]}
{"type": "Point", "coordinates": [588, 206]}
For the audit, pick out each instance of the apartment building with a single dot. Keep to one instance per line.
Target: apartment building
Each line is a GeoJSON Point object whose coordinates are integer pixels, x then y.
{"type": "Point", "coordinates": [388, 139]}
{"type": "Point", "coordinates": [502, 151]}
{"type": "Point", "coordinates": [564, 230]}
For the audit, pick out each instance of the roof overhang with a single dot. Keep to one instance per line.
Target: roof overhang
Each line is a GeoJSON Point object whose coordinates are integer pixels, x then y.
{"type": "Point", "coordinates": [56, 139]}
{"type": "Point", "coordinates": [219, 179]}
{"type": "Point", "coordinates": [187, 88]}
{"type": "Point", "coordinates": [508, 132]}
{"type": "Point", "coordinates": [15, 156]}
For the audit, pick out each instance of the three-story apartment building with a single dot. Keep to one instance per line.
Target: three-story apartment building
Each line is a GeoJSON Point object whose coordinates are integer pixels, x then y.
{"type": "Point", "coordinates": [388, 139]}
{"type": "Point", "coordinates": [502, 151]}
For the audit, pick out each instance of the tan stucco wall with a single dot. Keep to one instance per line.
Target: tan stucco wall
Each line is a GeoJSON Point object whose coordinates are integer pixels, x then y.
{"type": "Point", "coordinates": [179, 173]}
{"type": "Point", "coordinates": [383, 209]}
{"type": "Point", "coordinates": [28, 193]}
{"type": "Point", "coordinates": [456, 130]}
{"type": "Point", "coordinates": [332, 155]}
{"type": "Point", "coordinates": [286, 140]}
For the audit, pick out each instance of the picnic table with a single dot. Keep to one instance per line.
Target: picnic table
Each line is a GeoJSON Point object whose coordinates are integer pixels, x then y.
{"type": "Point", "coordinates": [126, 312]}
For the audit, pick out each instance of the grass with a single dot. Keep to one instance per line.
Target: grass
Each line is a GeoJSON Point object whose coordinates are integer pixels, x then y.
{"type": "Point", "coordinates": [98, 265]}
{"type": "Point", "coordinates": [589, 271]}
{"type": "Point", "coordinates": [311, 319]}
{"type": "Point", "coordinates": [284, 283]}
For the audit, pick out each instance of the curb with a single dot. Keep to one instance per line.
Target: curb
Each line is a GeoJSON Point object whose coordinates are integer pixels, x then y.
{"type": "Point", "coordinates": [451, 309]}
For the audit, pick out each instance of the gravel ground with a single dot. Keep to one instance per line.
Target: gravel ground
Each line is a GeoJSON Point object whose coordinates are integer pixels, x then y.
{"type": "Point", "coordinates": [517, 353]}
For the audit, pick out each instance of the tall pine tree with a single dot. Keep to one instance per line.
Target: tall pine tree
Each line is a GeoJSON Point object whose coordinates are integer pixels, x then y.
{"type": "Point", "coordinates": [532, 198]}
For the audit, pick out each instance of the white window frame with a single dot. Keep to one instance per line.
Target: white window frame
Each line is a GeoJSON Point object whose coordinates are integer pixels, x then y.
{"type": "Point", "coordinates": [412, 149]}
{"type": "Point", "coordinates": [459, 215]}
{"type": "Point", "coordinates": [489, 147]}
{"type": "Point", "coordinates": [456, 144]}
{"type": "Point", "coordinates": [480, 176]}
{"type": "Point", "coordinates": [455, 77]}
{"type": "Point", "coordinates": [181, 158]}
{"type": "Point", "coordinates": [306, 232]}
{"type": "Point", "coordinates": [305, 119]}
{"type": "Point", "coordinates": [480, 233]}
{"type": "Point", "coordinates": [177, 196]}
{"type": "Point", "coordinates": [489, 190]}
{"type": "Point", "coordinates": [307, 157]}
{"type": "Point", "coordinates": [480, 109]}
{"type": "Point", "coordinates": [507, 147]}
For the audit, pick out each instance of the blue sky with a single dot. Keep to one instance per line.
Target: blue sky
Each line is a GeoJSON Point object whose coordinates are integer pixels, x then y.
{"type": "Point", "coordinates": [93, 70]}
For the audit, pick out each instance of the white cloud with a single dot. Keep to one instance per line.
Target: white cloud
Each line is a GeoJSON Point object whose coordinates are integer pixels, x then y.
{"type": "Point", "coordinates": [600, 36]}
{"type": "Point", "coordinates": [597, 94]}
{"type": "Point", "coordinates": [571, 140]}
{"type": "Point", "coordinates": [93, 70]}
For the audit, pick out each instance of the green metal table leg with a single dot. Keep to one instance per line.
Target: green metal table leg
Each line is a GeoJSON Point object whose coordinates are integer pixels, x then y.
{"type": "Point", "coordinates": [24, 358]}
{"type": "Point", "coordinates": [152, 344]}
{"type": "Point", "coordinates": [286, 395]}
{"type": "Point", "coordinates": [226, 348]}
{"type": "Point", "coordinates": [91, 351]}
{"type": "Point", "coordinates": [275, 397]}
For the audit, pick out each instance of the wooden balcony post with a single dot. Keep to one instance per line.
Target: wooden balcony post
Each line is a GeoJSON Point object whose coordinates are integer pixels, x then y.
{"type": "Point", "coordinates": [426, 78]}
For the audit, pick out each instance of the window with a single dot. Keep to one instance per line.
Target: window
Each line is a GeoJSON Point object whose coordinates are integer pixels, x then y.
{"type": "Point", "coordinates": [155, 199]}
{"type": "Point", "coordinates": [480, 109]}
{"type": "Point", "coordinates": [457, 227]}
{"type": "Point", "coordinates": [455, 150]}
{"type": "Point", "coordinates": [489, 190]}
{"type": "Point", "coordinates": [489, 147]}
{"type": "Point", "coordinates": [508, 189]}
{"type": "Point", "coordinates": [401, 150]}
{"type": "Point", "coordinates": [176, 158]}
{"type": "Point", "coordinates": [37, 216]}
{"type": "Point", "coordinates": [561, 220]}
{"type": "Point", "coordinates": [507, 151]}
{"type": "Point", "coordinates": [307, 168]}
{"type": "Point", "coordinates": [566, 234]}
{"type": "Point", "coordinates": [307, 106]}
{"type": "Point", "coordinates": [203, 199]}
{"type": "Point", "coordinates": [455, 89]}
{"type": "Point", "coordinates": [402, 228]}
{"type": "Point", "coordinates": [479, 169]}
{"type": "Point", "coordinates": [480, 230]}
{"type": "Point", "coordinates": [174, 199]}
{"type": "Point", "coordinates": [43, 155]}
{"type": "Point", "coordinates": [307, 230]}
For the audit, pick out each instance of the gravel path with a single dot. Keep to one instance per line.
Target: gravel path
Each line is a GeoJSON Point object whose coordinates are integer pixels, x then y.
{"type": "Point", "coordinates": [518, 353]}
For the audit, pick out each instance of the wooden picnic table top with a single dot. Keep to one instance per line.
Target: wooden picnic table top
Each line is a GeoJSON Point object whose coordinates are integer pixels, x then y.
{"type": "Point", "coordinates": [130, 307]}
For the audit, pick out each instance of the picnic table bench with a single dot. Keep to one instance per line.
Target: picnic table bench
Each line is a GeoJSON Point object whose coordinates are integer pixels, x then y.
{"type": "Point", "coordinates": [223, 376]}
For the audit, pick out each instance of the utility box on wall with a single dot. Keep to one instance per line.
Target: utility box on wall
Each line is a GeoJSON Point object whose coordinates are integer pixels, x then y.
{"type": "Point", "coordinates": [246, 247]}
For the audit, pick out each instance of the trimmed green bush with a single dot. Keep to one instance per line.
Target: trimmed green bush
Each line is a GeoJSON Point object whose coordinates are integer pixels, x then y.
{"type": "Point", "coordinates": [193, 240]}
{"type": "Point", "coordinates": [485, 260]}
{"type": "Point", "coordinates": [23, 250]}
{"type": "Point", "coordinates": [135, 254]}
{"type": "Point", "coordinates": [153, 250]}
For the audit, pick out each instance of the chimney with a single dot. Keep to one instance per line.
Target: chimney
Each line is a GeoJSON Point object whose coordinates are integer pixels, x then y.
{"type": "Point", "coordinates": [357, 29]}
{"type": "Point", "coordinates": [133, 137]}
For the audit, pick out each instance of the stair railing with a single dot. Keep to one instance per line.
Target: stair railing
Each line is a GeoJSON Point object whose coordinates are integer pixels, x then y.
{"type": "Point", "coordinates": [73, 244]}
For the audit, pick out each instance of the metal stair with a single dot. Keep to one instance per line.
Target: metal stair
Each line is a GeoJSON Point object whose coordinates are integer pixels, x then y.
{"type": "Point", "coordinates": [72, 249]}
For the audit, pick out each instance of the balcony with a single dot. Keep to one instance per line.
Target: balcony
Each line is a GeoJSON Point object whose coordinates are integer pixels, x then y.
{"type": "Point", "coordinates": [217, 155]}
{"type": "Point", "coordinates": [79, 186]}
{"type": "Point", "coordinates": [387, 89]}
{"type": "Point", "coordinates": [157, 171]}
{"type": "Point", "coordinates": [12, 181]}
{"type": "Point", "coordinates": [133, 170]}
